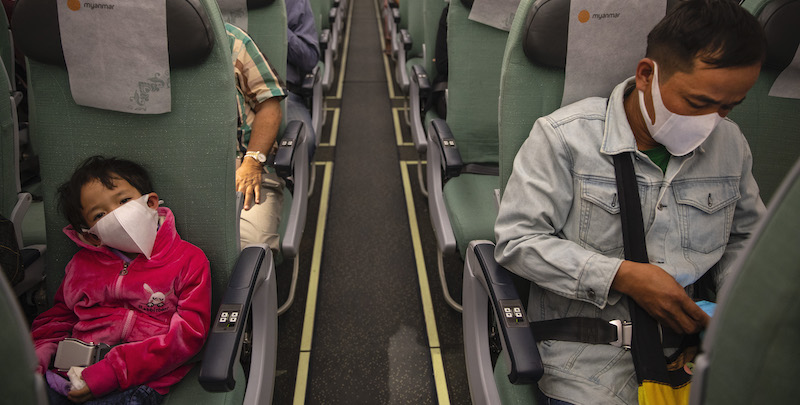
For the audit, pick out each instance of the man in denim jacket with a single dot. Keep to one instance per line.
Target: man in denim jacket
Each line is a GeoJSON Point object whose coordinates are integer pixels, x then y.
{"type": "Point", "coordinates": [559, 224]}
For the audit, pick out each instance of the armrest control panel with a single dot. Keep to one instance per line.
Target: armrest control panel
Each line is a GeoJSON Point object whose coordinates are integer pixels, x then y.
{"type": "Point", "coordinates": [229, 318]}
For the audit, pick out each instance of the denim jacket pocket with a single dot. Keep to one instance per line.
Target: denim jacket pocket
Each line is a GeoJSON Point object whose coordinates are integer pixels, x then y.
{"type": "Point", "coordinates": [706, 212]}
{"type": "Point", "coordinates": [600, 226]}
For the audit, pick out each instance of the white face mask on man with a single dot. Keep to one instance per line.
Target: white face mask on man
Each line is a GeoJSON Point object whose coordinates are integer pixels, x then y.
{"type": "Point", "coordinates": [680, 134]}
{"type": "Point", "coordinates": [130, 228]}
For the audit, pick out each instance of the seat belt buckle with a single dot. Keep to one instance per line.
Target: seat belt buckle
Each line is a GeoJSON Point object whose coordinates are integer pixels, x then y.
{"type": "Point", "coordinates": [73, 352]}
{"type": "Point", "coordinates": [624, 333]}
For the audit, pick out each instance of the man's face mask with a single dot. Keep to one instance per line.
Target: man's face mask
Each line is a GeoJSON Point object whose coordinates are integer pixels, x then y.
{"type": "Point", "coordinates": [130, 228]}
{"type": "Point", "coordinates": [680, 134]}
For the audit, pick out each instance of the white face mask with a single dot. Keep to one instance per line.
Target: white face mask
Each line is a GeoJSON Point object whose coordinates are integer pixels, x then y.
{"type": "Point", "coordinates": [130, 228]}
{"type": "Point", "coordinates": [680, 134]}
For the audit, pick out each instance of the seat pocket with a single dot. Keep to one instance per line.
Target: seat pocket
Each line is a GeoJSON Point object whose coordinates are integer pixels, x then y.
{"type": "Point", "coordinates": [706, 212]}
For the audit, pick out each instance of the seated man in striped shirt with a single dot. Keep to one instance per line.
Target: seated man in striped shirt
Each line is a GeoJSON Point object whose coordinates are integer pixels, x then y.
{"type": "Point", "coordinates": [260, 91]}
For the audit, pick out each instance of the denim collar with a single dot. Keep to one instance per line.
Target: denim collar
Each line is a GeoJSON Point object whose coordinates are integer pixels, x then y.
{"type": "Point", "coordinates": [618, 136]}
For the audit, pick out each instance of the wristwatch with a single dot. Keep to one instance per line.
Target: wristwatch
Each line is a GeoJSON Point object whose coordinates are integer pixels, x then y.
{"type": "Point", "coordinates": [257, 155]}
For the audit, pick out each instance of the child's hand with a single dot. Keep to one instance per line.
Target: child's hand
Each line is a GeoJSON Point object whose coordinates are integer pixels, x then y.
{"type": "Point", "coordinates": [80, 396]}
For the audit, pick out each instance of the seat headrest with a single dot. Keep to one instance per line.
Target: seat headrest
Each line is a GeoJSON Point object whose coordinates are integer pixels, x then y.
{"type": "Point", "coordinates": [546, 29]}
{"type": "Point", "coordinates": [189, 33]}
{"type": "Point", "coordinates": [545, 37]}
{"type": "Point", "coordinates": [780, 21]}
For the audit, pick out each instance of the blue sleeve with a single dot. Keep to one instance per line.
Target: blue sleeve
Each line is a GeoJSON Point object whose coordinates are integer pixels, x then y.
{"type": "Point", "coordinates": [303, 50]}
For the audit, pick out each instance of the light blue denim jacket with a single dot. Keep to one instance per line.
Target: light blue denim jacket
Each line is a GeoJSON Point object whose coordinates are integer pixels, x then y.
{"type": "Point", "coordinates": [559, 226]}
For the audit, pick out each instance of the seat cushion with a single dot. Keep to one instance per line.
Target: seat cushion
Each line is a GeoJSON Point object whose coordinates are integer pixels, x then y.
{"type": "Point", "coordinates": [471, 206]}
{"type": "Point", "coordinates": [189, 392]}
{"type": "Point", "coordinates": [510, 394]}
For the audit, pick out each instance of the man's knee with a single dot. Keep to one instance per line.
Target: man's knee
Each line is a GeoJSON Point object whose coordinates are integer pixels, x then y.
{"type": "Point", "coordinates": [260, 224]}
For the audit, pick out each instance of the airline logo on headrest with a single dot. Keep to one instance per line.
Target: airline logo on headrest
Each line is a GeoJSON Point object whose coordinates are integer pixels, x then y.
{"type": "Point", "coordinates": [585, 16]}
{"type": "Point", "coordinates": [75, 5]}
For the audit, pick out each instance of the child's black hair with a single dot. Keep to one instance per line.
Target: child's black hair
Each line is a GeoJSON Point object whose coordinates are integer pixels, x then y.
{"type": "Point", "coordinates": [106, 171]}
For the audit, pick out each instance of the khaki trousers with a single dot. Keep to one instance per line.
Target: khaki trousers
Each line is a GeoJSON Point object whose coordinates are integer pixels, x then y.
{"type": "Point", "coordinates": [260, 223]}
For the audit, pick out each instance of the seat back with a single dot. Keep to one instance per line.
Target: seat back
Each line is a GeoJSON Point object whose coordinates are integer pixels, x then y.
{"type": "Point", "coordinates": [751, 346]}
{"type": "Point", "coordinates": [7, 47]}
{"type": "Point", "coordinates": [9, 150]}
{"type": "Point", "coordinates": [771, 124]}
{"type": "Point", "coordinates": [533, 73]}
{"type": "Point", "coordinates": [20, 384]}
{"type": "Point", "coordinates": [267, 27]}
{"type": "Point", "coordinates": [416, 26]}
{"type": "Point", "coordinates": [475, 54]}
{"type": "Point", "coordinates": [189, 151]}
{"type": "Point", "coordinates": [432, 11]}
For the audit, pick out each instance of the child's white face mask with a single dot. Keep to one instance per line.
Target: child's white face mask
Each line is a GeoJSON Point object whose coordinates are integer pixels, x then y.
{"type": "Point", "coordinates": [130, 228]}
{"type": "Point", "coordinates": [680, 134]}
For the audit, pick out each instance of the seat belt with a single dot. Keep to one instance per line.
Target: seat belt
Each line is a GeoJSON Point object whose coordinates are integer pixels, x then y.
{"type": "Point", "coordinates": [478, 168]}
{"type": "Point", "coordinates": [648, 355]}
{"type": "Point", "coordinates": [596, 331]}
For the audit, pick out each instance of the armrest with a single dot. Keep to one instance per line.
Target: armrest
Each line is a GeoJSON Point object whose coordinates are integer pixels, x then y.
{"type": "Point", "coordinates": [440, 220]}
{"type": "Point", "coordinates": [332, 13]}
{"type": "Point", "coordinates": [324, 38]}
{"type": "Point", "coordinates": [396, 15]}
{"type": "Point", "coordinates": [405, 38]}
{"type": "Point", "coordinates": [443, 138]}
{"type": "Point", "coordinates": [307, 87]}
{"type": "Point", "coordinates": [300, 172]}
{"type": "Point", "coordinates": [286, 149]}
{"type": "Point", "coordinates": [393, 4]}
{"type": "Point", "coordinates": [420, 76]}
{"type": "Point", "coordinates": [221, 350]}
{"type": "Point", "coordinates": [517, 337]}
{"type": "Point", "coordinates": [24, 201]}
{"type": "Point", "coordinates": [419, 89]}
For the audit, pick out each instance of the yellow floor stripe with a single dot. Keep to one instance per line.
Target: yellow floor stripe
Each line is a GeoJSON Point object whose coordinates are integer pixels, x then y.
{"type": "Point", "coordinates": [334, 127]}
{"type": "Point", "coordinates": [313, 286]}
{"type": "Point", "coordinates": [439, 376]}
{"type": "Point", "coordinates": [343, 65]}
{"type": "Point", "coordinates": [425, 291]}
{"type": "Point", "coordinates": [398, 134]}
{"type": "Point", "coordinates": [302, 379]}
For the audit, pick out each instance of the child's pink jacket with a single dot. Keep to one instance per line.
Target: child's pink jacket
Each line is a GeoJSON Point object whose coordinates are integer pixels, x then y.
{"type": "Point", "coordinates": [157, 311]}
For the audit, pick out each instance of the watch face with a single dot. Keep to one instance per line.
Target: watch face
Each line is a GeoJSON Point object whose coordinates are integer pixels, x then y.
{"type": "Point", "coordinates": [262, 157]}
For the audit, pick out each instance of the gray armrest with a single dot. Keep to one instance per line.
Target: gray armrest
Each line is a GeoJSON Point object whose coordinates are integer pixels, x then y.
{"type": "Point", "coordinates": [225, 338]}
{"type": "Point", "coordinates": [327, 60]}
{"type": "Point", "coordinates": [295, 168]}
{"type": "Point", "coordinates": [446, 147]}
{"type": "Point", "coordinates": [399, 47]}
{"type": "Point", "coordinates": [418, 91]}
{"type": "Point", "coordinates": [324, 39]}
{"type": "Point", "coordinates": [487, 282]}
{"type": "Point", "coordinates": [318, 102]}
{"type": "Point", "coordinates": [439, 134]}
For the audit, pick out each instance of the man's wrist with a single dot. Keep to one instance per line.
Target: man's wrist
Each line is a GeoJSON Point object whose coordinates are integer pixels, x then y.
{"type": "Point", "coordinates": [257, 156]}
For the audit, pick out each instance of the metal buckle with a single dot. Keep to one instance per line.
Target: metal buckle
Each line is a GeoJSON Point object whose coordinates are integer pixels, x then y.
{"type": "Point", "coordinates": [624, 333]}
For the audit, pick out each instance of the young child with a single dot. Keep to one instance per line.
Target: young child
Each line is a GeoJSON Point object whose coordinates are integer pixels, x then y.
{"type": "Point", "coordinates": [134, 285]}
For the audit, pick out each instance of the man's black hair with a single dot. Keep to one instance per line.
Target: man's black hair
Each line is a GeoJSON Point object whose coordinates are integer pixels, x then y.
{"type": "Point", "coordinates": [718, 32]}
{"type": "Point", "coordinates": [104, 170]}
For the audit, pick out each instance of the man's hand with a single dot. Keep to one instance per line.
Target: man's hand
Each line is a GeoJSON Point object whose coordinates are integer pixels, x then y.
{"type": "Point", "coordinates": [248, 181]}
{"type": "Point", "coordinates": [661, 296]}
{"type": "Point", "coordinates": [80, 396]}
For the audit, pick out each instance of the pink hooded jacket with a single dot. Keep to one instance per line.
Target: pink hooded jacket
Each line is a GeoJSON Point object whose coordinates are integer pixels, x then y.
{"type": "Point", "coordinates": [157, 311]}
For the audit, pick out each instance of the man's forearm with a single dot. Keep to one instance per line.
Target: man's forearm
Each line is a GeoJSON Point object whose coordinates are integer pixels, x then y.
{"type": "Point", "coordinates": [265, 127]}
